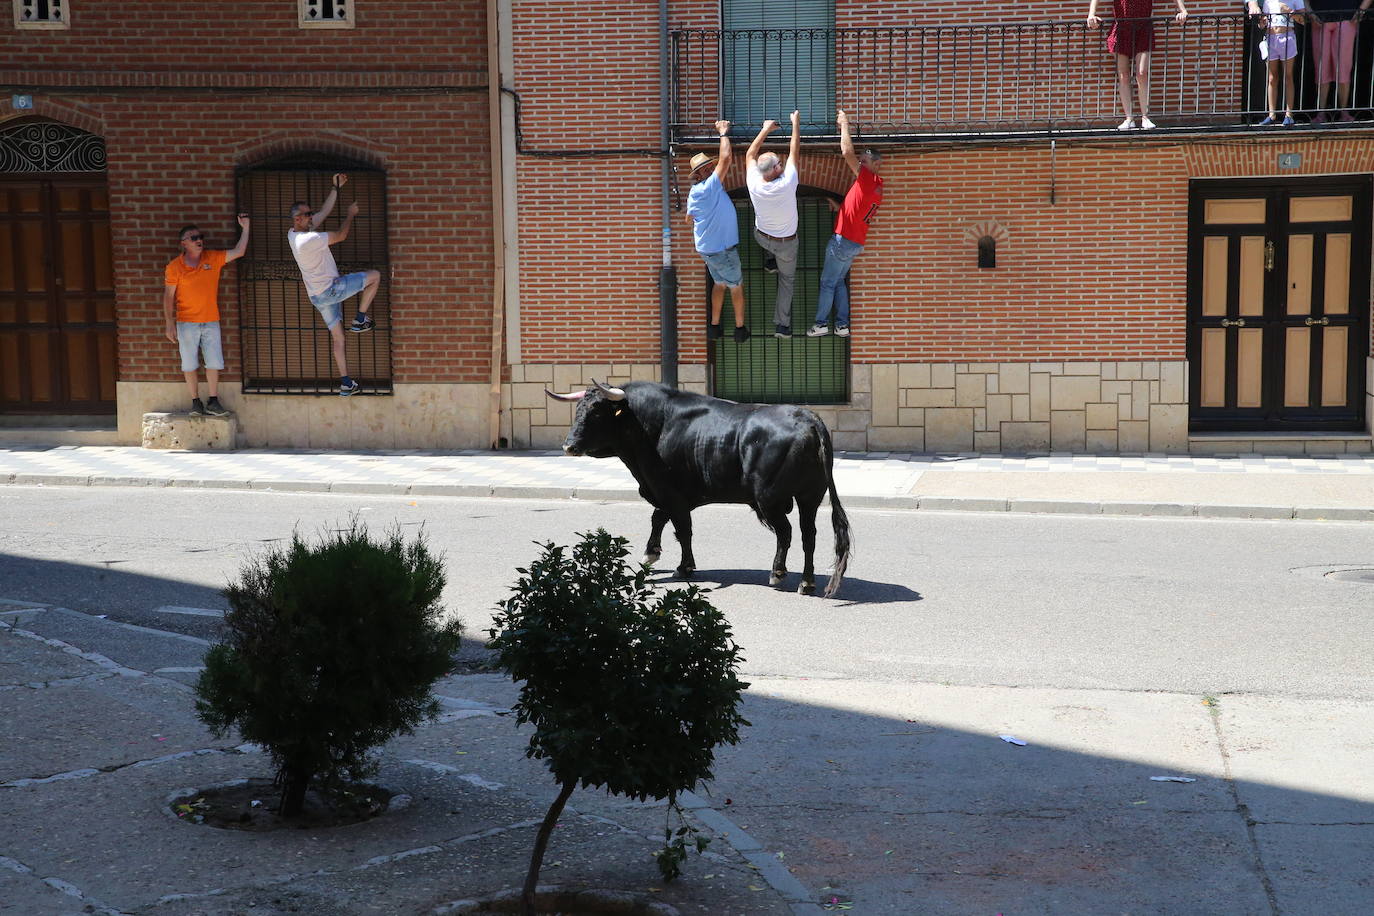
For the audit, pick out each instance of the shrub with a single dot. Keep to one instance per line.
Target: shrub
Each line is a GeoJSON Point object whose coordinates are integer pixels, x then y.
{"type": "Point", "coordinates": [626, 690]}
{"type": "Point", "coordinates": [332, 649]}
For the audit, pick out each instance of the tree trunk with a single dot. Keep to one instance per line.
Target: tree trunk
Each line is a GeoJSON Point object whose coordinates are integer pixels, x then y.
{"type": "Point", "coordinates": [540, 842]}
{"type": "Point", "coordinates": [294, 783]}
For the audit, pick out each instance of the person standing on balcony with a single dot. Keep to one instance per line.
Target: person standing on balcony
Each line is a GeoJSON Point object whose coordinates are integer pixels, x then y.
{"type": "Point", "coordinates": [861, 202]}
{"type": "Point", "coordinates": [715, 230]}
{"type": "Point", "coordinates": [1279, 47]}
{"type": "Point", "coordinates": [327, 290]}
{"type": "Point", "coordinates": [1334, 25]}
{"type": "Point", "coordinates": [1131, 39]}
{"type": "Point", "coordinates": [190, 298]}
{"type": "Point", "coordinates": [773, 192]}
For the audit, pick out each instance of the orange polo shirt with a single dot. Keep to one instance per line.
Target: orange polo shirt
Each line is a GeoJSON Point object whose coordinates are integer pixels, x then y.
{"type": "Point", "coordinates": [197, 287]}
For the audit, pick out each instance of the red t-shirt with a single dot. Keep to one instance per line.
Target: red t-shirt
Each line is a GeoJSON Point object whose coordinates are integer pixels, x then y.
{"type": "Point", "coordinates": [864, 198]}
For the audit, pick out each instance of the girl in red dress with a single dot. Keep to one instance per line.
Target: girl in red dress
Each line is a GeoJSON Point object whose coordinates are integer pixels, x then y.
{"type": "Point", "coordinates": [1130, 39]}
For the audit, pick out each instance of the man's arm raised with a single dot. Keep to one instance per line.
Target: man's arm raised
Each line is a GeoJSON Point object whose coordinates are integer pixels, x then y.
{"type": "Point", "coordinates": [327, 207]}
{"type": "Point", "coordinates": [342, 232]}
{"type": "Point", "coordinates": [851, 158]}
{"type": "Point", "coordinates": [723, 158]}
{"type": "Point", "coordinates": [233, 254]}
{"type": "Point", "coordinates": [751, 158]}
{"type": "Point", "coordinates": [794, 148]}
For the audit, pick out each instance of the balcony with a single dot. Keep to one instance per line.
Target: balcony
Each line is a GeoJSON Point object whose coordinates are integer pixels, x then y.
{"type": "Point", "coordinates": [987, 82]}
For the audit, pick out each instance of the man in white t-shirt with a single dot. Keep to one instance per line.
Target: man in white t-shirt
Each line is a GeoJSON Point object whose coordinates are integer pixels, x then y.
{"type": "Point", "coordinates": [773, 192]}
{"type": "Point", "coordinates": [321, 275]}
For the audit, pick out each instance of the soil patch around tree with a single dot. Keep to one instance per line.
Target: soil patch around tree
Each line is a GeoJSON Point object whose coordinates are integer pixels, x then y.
{"type": "Point", "coordinates": [251, 804]}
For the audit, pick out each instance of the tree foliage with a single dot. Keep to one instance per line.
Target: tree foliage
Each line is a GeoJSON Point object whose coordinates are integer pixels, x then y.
{"type": "Point", "coordinates": [627, 689]}
{"type": "Point", "coordinates": [332, 648]}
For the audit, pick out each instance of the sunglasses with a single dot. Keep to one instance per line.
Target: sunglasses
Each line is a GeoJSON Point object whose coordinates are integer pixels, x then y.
{"type": "Point", "coordinates": [305, 213]}
{"type": "Point", "coordinates": [193, 238]}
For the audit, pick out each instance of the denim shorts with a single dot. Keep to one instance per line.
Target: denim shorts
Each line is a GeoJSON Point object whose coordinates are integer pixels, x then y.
{"type": "Point", "coordinates": [196, 337]}
{"type": "Point", "coordinates": [724, 266]}
{"type": "Point", "coordinates": [327, 302]}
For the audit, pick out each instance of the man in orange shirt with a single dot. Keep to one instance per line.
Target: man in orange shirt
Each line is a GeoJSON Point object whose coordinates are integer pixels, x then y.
{"type": "Point", "coordinates": [191, 300]}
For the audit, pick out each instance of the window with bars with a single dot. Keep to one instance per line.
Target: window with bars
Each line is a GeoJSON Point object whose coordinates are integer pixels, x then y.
{"type": "Point", "coordinates": [326, 14]}
{"type": "Point", "coordinates": [766, 369]}
{"type": "Point", "coordinates": [285, 345]}
{"type": "Point", "coordinates": [40, 14]}
{"type": "Point", "coordinates": [777, 56]}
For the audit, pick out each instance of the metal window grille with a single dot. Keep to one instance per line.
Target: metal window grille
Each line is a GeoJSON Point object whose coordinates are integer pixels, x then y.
{"type": "Point", "coordinates": [765, 369]}
{"type": "Point", "coordinates": [40, 11]}
{"type": "Point", "coordinates": [286, 348]}
{"type": "Point", "coordinates": [326, 11]}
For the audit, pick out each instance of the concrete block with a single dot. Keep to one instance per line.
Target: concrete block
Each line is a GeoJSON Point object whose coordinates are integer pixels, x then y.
{"type": "Point", "coordinates": [861, 400]}
{"type": "Point", "coordinates": [567, 379]}
{"type": "Point", "coordinates": [982, 368]}
{"type": "Point", "coordinates": [1025, 437]}
{"type": "Point", "coordinates": [1013, 378]}
{"type": "Point", "coordinates": [1101, 441]}
{"type": "Point", "coordinates": [897, 438]}
{"type": "Point", "coordinates": [928, 397]}
{"type": "Point", "coordinates": [965, 504]}
{"type": "Point", "coordinates": [988, 443]}
{"type": "Point", "coordinates": [1040, 396]}
{"type": "Point", "coordinates": [1149, 369]}
{"type": "Point", "coordinates": [949, 429]}
{"type": "Point", "coordinates": [1020, 407]}
{"type": "Point", "coordinates": [1169, 428]}
{"type": "Point", "coordinates": [1133, 436]}
{"type": "Point", "coordinates": [550, 437]}
{"type": "Point", "coordinates": [885, 395]}
{"type": "Point", "coordinates": [860, 377]}
{"type": "Point", "coordinates": [1101, 416]}
{"type": "Point", "coordinates": [1070, 506]}
{"type": "Point", "coordinates": [1140, 400]}
{"type": "Point", "coordinates": [643, 372]}
{"type": "Point", "coordinates": [942, 375]}
{"type": "Point", "coordinates": [853, 421]}
{"type": "Point", "coordinates": [517, 373]}
{"type": "Point", "coordinates": [1109, 370]}
{"type": "Point", "coordinates": [1245, 511]}
{"type": "Point", "coordinates": [911, 416]}
{"type": "Point", "coordinates": [520, 429]}
{"type": "Point", "coordinates": [1173, 382]}
{"type": "Point", "coordinates": [1074, 392]}
{"type": "Point", "coordinates": [970, 390]}
{"type": "Point", "coordinates": [1335, 513]}
{"type": "Point", "coordinates": [180, 430]}
{"type": "Point", "coordinates": [1067, 431]}
{"type": "Point", "coordinates": [850, 441]}
{"type": "Point", "coordinates": [1171, 510]}
{"type": "Point", "coordinates": [913, 375]}
{"type": "Point", "coordinates": [1094, 369]}
{"type": "Point", "coordinates": [980, 420]}
{"type": "Point", "coordinates": [992, 382]}
{"type": "Point", "coordinates": [1129, 370]}
{"type": "Point", "coordinates": [1051, 368]}
{"type": "Point", "coordinates": [999, 410]}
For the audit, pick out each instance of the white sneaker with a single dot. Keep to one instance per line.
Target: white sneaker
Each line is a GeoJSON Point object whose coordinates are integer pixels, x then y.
{"type": "Point", "coordinates": [818, 330]}
{"type": "Point", "coordinates": [841, 330]}
{"type": "Point", "coordinates": [1146, 123]}
{"type": "Point", "coordinates": [1128, 124]}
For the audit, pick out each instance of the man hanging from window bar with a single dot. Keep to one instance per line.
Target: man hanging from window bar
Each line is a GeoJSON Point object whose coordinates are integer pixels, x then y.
{"type": "Point", "coordinates": [715, 232]}
{"type": "Point", "coordinates": [851, 231]}
{"type": "Point", "coordinates": [773, 192]}
{"type": "Point", "coordinates": [322, 281]}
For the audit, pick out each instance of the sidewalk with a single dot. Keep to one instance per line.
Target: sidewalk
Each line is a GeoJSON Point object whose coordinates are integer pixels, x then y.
{"type": "Point", "coordinates": [1334, 488]}
{"type": "Point", "coordinates": [100, 738]}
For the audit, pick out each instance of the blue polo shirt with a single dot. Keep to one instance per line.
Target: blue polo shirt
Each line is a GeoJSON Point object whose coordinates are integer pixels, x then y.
{"type": "Point", "coordinates": [715, 227]}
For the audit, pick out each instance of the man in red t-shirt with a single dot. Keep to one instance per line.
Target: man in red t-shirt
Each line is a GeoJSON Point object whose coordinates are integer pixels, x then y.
{"type": "Point", "coordinates": [851, 231]}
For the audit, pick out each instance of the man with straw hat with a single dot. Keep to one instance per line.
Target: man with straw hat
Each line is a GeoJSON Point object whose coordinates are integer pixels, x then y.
{"type": "Point", "coordinates": [715, 230]}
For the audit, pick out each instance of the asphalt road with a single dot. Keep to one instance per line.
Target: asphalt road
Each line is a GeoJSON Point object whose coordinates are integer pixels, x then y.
{"type": "Point", "coordinates": [1191, 606]}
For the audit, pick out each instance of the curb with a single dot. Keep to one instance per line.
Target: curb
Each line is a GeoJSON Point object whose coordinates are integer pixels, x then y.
{"type": "Point", "coordinates": [895, 501]}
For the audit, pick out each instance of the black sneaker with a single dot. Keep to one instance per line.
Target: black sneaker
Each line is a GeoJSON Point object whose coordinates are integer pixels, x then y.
{"type": "Point", "coordinates": [358, 326]}
{"type": "Point", "coordinates": [770, 262]}
{"type": "Point", "coordinates": [351, 388]}
{"type": "Point", "coordinates": [782, 331]}
{"type": "Point", "coordinates": [715, 332]}
{"type": "Point", "coordinates": [741, 334]}
{"type": "Point", "coordinates": [215, 409]}
{"type": "Point", "coordinates": [197, 408]}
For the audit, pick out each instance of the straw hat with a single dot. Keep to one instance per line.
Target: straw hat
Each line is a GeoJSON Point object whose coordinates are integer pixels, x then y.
{"type": "Point", "coordinates": [701, 159]}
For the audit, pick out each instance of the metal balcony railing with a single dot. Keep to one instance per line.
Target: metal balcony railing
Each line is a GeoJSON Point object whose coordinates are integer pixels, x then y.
{"type": "Point", "coordinates": [974, 82]}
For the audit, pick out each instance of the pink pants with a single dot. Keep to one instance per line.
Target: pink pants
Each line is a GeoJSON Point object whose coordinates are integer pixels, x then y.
{"type": "Point", "coordinates": [1333, 44]}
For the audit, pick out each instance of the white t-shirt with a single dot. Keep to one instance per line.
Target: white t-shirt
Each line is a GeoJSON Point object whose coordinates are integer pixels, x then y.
{"type": "Point", "coordinates": [1277, 18]}
{"type": "Point", "coordinates": [314, 258]}
{"type": "Point", "coordinates": [775, 202]}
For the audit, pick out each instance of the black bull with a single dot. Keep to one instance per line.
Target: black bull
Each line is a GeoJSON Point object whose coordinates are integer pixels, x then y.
{"type": "Point", "coordinates": [687, 450]}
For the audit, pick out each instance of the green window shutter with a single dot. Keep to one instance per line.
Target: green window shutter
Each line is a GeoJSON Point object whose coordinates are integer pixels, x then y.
{"type": "Point", "coordinates": [767, 74]}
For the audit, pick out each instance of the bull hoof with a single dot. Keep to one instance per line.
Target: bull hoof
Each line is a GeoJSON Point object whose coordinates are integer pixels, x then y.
{"type": "Point", "coordinates": [776, 578]}
{"type": "Point", "coordinates": [650, 559]}
{"type": "Point", "coordinates": [685, 572]}
{"type": "Point", "coordinates": [807, 588]}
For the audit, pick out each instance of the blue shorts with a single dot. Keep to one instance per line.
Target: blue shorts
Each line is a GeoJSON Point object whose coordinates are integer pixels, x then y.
{"type": "Point", "coordinates": [327, 302]}
{"type": "Point", "coordinates": [724, 266]}
{"type": "Point", "coordinates": [196, 337]}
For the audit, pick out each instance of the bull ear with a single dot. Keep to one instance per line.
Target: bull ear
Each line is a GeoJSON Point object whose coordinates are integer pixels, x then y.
{"type": "Point", "coordinates": [574, 396]}
{"type": "Point", "coordinates": [615, 394]}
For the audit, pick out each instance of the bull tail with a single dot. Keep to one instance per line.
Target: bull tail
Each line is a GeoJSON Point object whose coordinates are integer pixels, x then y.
{"type": "Point", "coordinates": [838, 519]}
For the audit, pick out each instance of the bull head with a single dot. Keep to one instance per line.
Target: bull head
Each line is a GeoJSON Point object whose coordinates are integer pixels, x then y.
{"type": "Point", "coordinates": [571, 396]}
{"type": "Point", "coordinates": [615, 394]}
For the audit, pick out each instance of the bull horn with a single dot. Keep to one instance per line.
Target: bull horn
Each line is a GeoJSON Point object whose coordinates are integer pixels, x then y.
{"type": "Point", "coordinates": [574, 396]}
{"type": "Point", "coordinates": [615, 394]}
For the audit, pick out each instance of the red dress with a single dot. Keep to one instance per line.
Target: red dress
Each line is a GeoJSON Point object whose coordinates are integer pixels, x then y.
{"type": "Point", "coordinates": [1131, 38]}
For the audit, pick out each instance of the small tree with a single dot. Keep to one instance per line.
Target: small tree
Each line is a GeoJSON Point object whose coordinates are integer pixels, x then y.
{"type": "Point", "coordinates": [626, 690]}
{"type": "Point", "coordinates": [332, 649]}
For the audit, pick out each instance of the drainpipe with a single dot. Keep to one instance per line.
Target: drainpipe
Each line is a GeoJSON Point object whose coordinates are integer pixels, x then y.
{"type": "Point", "coordinates": [667, 275]}
{"type": "Point", "coordinates": [498, 219]}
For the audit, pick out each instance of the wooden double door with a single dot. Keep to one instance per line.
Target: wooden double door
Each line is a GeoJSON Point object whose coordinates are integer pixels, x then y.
{"type": "Point", "coordinates": [57, 296]}
{"type": "Point", "coordinates": [1278, 304]}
